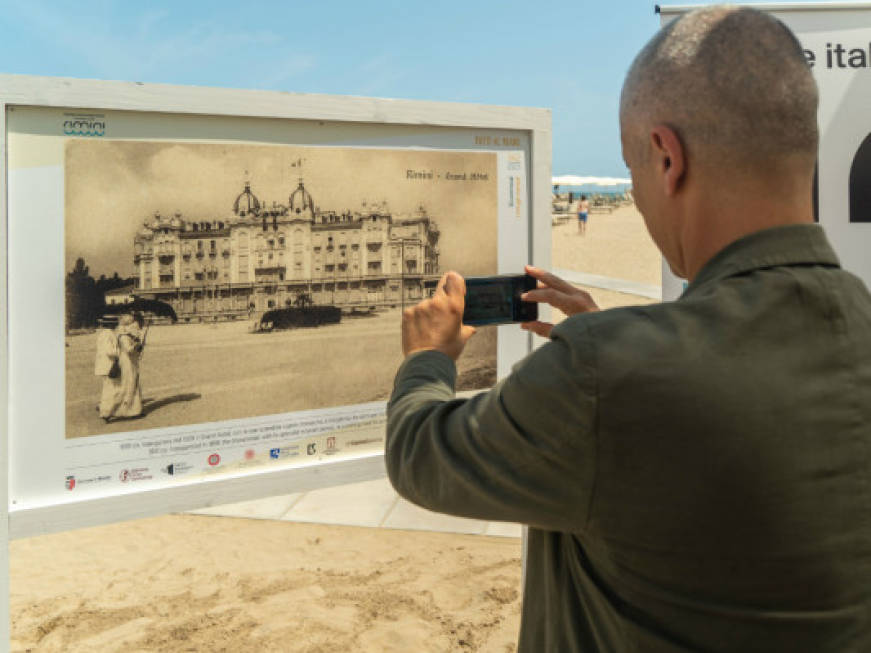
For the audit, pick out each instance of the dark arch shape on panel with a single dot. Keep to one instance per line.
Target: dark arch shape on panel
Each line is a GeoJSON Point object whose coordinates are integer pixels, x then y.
{"type": "Point", "coordinates": [816, 191]}
{"type": "Point", "coordinates": [860, 183]}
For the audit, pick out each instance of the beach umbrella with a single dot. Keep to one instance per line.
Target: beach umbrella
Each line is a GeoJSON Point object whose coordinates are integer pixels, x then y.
{"type": "Point", "coordinates": [577, 180]}
{"type": "Point", "coordinates": [154, 306]}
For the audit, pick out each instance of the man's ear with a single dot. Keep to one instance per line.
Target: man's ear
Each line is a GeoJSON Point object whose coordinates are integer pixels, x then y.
{"type": "Point", "coordinates": [669, 156]}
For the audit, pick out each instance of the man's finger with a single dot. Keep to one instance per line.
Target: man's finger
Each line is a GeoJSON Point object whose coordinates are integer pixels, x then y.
{"type": "Point", "coordinates": [543, 296]}
{"type": "Point", "coordinates": [548, 279]}
{"type": "Point", "coordinates": [562, 301]}
{"type": "Point", "coordinates": [541, 328]}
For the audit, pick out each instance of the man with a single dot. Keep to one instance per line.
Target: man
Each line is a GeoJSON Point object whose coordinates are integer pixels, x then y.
{"type": "Point", "coordinates": [696, 475]}
{"type": "Point", "coordinates": [583, 212]}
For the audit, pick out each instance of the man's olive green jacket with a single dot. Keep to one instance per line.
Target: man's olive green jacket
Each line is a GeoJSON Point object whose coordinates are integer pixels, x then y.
{"type": "Point", "coordinates": [696, 475]}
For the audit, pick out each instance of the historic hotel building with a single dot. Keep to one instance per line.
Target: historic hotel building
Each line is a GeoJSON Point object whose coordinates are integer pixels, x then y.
{"type": "Point", "coordinates": [263, 257]}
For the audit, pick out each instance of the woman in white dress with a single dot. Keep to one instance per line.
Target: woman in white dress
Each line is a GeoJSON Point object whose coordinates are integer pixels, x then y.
{"type": "Point", "coordinates": [129, 398]}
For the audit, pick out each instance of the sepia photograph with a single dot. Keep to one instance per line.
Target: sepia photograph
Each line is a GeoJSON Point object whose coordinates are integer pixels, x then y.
{"type": "Point", "coordinates": [208, 282]}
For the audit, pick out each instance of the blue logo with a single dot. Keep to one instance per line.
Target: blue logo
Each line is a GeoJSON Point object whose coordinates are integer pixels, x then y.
{"type": "Point", "coordinates": [85, 127]}
{"type": "Point", "coordinates": [273, 453]}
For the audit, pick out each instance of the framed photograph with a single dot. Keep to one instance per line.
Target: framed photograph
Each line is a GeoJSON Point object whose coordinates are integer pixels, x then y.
{"type": "Point", "coordinates": [246, 280]}
{"type": "Point", "coordinates": [205, 286]}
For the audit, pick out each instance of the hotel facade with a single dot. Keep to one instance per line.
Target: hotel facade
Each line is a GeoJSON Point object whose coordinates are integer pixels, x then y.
{"type": "Point", "coordinates": [260, 257]}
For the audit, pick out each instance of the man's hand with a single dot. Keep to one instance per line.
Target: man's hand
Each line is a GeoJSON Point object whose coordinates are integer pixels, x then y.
{"type": "Point", "coordinates": [436, 324]}
{"type": "Point", "coordinates": [559, 294]}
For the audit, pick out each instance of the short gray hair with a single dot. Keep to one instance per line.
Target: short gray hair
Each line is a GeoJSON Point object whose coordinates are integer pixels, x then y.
{"type": "Point", "coordinates": [732, 82]}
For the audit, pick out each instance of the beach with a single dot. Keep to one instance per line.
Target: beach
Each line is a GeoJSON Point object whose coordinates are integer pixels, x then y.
{"type": "Point", "coordinates": [216, 584]}
{"type": "Point", "coordinates": [207, 583]}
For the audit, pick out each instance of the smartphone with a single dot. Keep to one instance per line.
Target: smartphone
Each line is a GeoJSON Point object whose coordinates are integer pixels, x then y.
{"type": "Point", "coordinates": [496, 300]}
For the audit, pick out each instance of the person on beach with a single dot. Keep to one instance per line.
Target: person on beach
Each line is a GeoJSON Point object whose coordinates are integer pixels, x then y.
{"type": "Point", "coordinates": [694, 474]}
{"type": "Point", "coordinates": [583, 212]}
{"type": "Point", "coordinates": [106, 368]}
{"type": "Point", "coordinates": [128, 399]}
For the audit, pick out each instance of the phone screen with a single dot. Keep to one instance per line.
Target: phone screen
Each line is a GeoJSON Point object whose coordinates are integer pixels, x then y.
{"type": "Point", "coordinates": [496, 300]}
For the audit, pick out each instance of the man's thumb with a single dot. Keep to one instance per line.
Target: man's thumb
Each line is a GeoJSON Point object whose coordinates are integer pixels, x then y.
{"type": "Point", "coordinates": [455, 285]}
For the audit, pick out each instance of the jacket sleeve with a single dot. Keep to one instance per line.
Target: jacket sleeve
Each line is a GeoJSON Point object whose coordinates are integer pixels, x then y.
{"type": "Point", "coordinates": [523, 451]}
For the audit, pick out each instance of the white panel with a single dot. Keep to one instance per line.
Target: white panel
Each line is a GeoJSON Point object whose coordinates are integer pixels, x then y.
{"type": "Point", "coordinates": [206, 102]}
{"type": "Point", "coordinates": [513, 247]}
{"type": "Point", "coordinates": [4, 396]}
{"type": "Point", "coordinates": [211, 492]}
{"type": "Point", "coordinates": [673, 10]}
{"type": "Point", "coordinates": [36, 328]}
{"type": "Point", "coordinates": [36, 263]}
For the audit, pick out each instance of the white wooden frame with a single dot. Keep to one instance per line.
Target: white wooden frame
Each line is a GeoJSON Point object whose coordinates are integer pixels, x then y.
{"type": "Point", "coordinates": [16, 90]}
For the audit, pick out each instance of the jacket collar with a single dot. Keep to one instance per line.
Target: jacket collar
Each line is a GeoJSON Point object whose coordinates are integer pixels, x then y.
{"type": "Point", "coordinates": [796, 244]}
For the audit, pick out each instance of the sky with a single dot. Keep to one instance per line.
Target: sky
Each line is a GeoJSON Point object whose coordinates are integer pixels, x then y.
{"type": "Point", "coordinates": [201, 182]}
{"type": "Point", "coordinates": [567, 56]}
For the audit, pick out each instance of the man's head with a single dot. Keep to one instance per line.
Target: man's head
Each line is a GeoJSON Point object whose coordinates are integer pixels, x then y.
{"type": "Point", "coordinates": [718, 105]}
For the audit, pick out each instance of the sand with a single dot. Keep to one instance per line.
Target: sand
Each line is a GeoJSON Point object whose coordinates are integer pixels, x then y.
{"type": "Point", "coordinates": [195, 373]}
{"type": "Point", "coordinates": [615, 245]}
{"type": "Point", "coordinates": [200, 583]}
